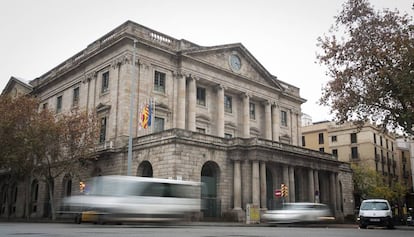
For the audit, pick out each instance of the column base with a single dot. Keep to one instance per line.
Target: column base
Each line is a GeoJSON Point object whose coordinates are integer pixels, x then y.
{"type": "Point", "coordinates": [237, 215]}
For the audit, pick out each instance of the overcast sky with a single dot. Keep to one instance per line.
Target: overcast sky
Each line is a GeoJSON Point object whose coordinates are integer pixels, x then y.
{"type": "Point", "coordinates": [37, 35]}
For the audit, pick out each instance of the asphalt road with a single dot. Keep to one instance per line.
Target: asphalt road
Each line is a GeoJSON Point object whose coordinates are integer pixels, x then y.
{"type": "Point", "coordinates": [192, 230]}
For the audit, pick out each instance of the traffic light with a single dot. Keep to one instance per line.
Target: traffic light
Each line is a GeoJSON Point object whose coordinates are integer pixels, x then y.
{"type": "Point", "coordinates": [284, 189]}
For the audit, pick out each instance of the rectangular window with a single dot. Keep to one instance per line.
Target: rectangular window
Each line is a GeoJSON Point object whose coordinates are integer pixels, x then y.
{"type": "Point", "coordinates": [354, 152]}
{"type": "Point", "coordinates": [59, 104]}
{"type": "Point", "coordinates": [335, 152]}
{"type": "Point", "coordinates": [303, 141]}
{"type": "Point", "coordinates": [75, 101]}
{"type": "Point", "coordinates": [228, 135]}
{"type": "Point", "coordinates": [201, 96]}
{"type": "Point", "coordinates": [159, 81]}
{"type": "Point", "coordinates": [353, 138]}
{"type": "Point", "coordinates": [334, 138]}
{"type": "Point", "coordinates": [201, 130]}
{"type": "Point", "coordinates": [321, 140]}
{"type": "Point", "coordinates": [158, 124]}
{"type": "Point", "coordinates": [283, 118]}
{"type": "Point", "coordinates": [375, 138]}
{"type": "Point", "coordinates": [321, 149]}
{"type": "Point", "coordinates": [228, 107]}
{"type": "Point", "coordinates": [44, 106]}
{"type": "Point", "coordinates": [102, 131]}
{"type": "Point", "coordinates": [105, 82]}
{"type": "Point", "coordinates": [252, 109]}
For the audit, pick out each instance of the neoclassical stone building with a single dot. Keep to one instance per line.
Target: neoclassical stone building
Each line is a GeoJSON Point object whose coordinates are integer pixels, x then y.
{"type": "Point", "coordinates": [219, 117]}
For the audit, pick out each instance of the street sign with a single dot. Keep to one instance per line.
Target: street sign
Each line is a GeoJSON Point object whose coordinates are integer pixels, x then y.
{"type": "Point", "coordinates": [278, 193]}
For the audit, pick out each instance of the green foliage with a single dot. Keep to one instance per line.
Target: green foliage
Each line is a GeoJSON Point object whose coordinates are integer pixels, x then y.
{"type": "Point", "coordinates": [370, 184]}
{"type": "Point", "coordinates": [370, 57]}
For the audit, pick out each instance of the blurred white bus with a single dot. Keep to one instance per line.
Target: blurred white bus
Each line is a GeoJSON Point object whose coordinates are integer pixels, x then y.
{"type": "Point", "coordinates": [127, 198]}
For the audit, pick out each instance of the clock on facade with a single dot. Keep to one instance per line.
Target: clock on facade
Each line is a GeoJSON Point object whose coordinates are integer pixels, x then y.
{"type": "Point", "coordinates": [235, 62]}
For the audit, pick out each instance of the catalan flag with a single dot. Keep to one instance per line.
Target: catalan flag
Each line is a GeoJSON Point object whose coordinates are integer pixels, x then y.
{"type": "Point", "coordinates": [146, 115]}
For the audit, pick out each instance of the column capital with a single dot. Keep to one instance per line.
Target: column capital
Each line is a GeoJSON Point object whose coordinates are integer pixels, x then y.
{"type": "Point", "coordinates": [245, 94]}
{"type": "Point", "coordinates": [90, 76]}
{"type": "Point", "coordinates": [180, 74]}
{"type": "Point", "coordinates": [266, 103]}
{"type": "Point", "coordinates": [193, 77]}
{"type": "Point", "coordinates": [220, 87]}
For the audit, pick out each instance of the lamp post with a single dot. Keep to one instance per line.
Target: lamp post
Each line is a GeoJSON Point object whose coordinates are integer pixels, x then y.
{"type": "Point", "coordinates": [131, 110]}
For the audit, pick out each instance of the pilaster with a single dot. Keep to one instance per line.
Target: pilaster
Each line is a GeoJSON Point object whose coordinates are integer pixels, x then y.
{"type": "Point", "coordinates": [181, 116]}
{"type": "Point", "coordinates": [192, 100]}
{"type": "Point", "coordinates": [220, 110]}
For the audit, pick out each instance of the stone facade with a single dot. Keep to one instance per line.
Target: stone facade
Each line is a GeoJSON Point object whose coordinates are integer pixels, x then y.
{"type": "Point", "coordinates": [219, 117]}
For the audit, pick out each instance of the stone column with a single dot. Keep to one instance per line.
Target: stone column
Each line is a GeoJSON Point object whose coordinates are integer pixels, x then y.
{"type": "Point", "coordinates": [291, 186]}
{"type": "Point", "coordinates": [181, 101]}
{"type": "Point", "coordinates": [268, 120]}
{"type": "Point", "coordinates": [275, 123]}
{"type": "Point", "coordinates": [311, 185]}
{"type": "Point", "coordinates": [338, 194]}
{"type": "Point", "coordinates": [220, 111]}
{"type": "Point", "coordinates": [294, 125]}
{"type": "Point", "coordinates": [246, 182]}
{"type": "Point", "coordinates": [285, 180]}
{"type": "Point", "coordinates": [263, 191]}
{"type": "Point", "coordinates": [316, 182]}
{"type": "Point", "coordinates": [286, 174]}
{"type": "Point", "coordinates": [246, 115]}
{"type": "Point", "coordinates": [237, 185]}
{"type": "Point", "coordinates": [255, 183]}
{"type": "Point", "coordinates": [192, 100]}
{"type": "Point", "coordinates": [332, 189]}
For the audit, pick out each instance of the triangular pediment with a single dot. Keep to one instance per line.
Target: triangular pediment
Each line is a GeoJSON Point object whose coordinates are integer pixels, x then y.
{"type": "Point", "coordinates": [236, 59]}
{"type": "Point", "coordinates": [16, 87]}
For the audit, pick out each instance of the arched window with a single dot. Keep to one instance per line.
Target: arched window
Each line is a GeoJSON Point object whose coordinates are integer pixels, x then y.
{"type": "Point", "coordinates": [34, 195]}
{"type": "Point", "coordinates": [3, 199]}
{"type": "Point", "coordinates": [67, 186]}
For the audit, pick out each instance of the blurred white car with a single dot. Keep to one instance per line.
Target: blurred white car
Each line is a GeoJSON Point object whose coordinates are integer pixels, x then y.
{"type": "Point", "coordinates": [299, 212]}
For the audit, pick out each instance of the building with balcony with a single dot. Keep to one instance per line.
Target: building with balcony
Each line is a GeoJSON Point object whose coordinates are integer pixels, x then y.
{"type": "Point", "coordinates": [366, 146]}
{"type": "Point", "coordinates": [217, 116]}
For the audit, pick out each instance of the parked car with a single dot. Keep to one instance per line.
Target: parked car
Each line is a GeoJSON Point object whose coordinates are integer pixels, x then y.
{"type": "Point", "coordinates": [375, 212]}
{"type": "Point", "coordinates": [299, 212]}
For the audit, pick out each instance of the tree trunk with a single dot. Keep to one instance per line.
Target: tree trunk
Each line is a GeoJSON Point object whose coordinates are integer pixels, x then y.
{"type": "Point", "coordinates": [27, 196]}
{"type": "Point", "coordinates": [51, 198]}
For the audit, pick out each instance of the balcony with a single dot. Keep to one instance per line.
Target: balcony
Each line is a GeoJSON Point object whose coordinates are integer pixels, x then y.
{"type": "Point", "coordinates": [107, 145]}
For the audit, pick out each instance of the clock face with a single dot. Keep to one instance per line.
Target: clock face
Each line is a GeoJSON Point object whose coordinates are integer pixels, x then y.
{"type": "Point", "coordinates": [235, 62]}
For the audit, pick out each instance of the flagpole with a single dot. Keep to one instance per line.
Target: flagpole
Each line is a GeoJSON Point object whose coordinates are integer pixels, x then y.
{"type": "Point", "coordinates": [131, 110]}
{"type": "Point", "coordinates": [153, 115]}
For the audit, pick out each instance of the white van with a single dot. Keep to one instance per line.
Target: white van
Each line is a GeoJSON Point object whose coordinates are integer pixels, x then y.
{"type": "Point", "coordinates": [375, 212]}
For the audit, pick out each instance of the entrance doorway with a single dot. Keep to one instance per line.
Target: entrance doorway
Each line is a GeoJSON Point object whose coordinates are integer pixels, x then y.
{"type": "Point", "coordinates": [209, 178]}
{"type": "Point", "coordinates": [145, 169]}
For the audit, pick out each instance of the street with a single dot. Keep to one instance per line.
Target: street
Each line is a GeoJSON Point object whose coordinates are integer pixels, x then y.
{"type": "Point", "coordinates": [191, 230]}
